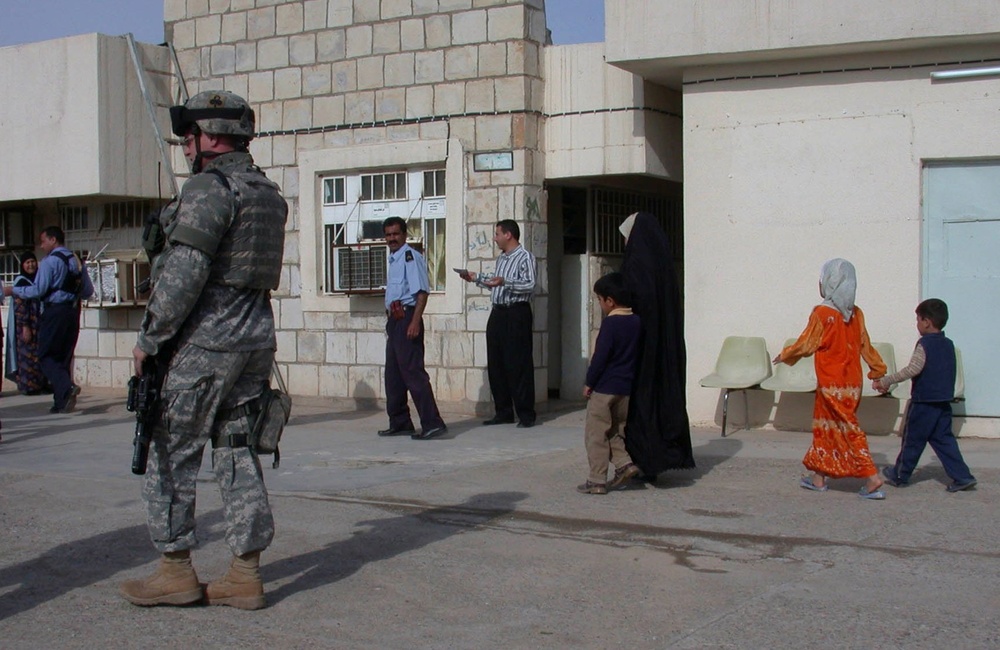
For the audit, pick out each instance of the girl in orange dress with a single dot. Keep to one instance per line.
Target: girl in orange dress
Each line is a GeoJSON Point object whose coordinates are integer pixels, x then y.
{"type": "Point", "coordinates": [836, 334]}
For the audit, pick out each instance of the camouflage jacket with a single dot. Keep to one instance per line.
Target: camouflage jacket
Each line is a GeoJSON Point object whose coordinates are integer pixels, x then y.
{"type": "Point", "coordinates": [191, 302]}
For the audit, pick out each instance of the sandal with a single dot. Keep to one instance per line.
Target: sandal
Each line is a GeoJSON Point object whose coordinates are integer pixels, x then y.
{"type": "Point", "coordinates": [808, 484]}
{"type": "Point", "coordinates": [875, 495]}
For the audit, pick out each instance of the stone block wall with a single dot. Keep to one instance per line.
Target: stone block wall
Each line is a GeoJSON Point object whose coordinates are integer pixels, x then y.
{"type": "Point", "coordinates": [328, 75]}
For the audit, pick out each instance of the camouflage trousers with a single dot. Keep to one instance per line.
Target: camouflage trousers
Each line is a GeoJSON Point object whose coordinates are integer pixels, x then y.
{"type": "Point", "coordinates": [200, 383]}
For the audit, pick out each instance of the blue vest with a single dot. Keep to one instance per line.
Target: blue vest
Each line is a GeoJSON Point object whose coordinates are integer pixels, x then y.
{"type": "Point", "coordinates": [936, 382]}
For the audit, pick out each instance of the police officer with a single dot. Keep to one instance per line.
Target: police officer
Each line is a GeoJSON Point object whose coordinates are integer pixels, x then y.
{"type": "Point", "coordinates": [406, 293]}
{"type": "Point", "coordinates": [61, 282]}
{"type": "Point", "coordinates": [211, 306]}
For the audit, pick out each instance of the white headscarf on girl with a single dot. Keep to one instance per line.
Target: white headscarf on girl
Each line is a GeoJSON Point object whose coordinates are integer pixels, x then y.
{"type": "Point", "coordinates": [838, 283]}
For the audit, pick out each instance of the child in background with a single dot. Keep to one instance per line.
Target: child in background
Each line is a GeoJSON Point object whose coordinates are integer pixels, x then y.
{"type": "Point", "coordinates": [609, 383]}
{"type": "Point", "coordinates": [837, 335]}
{"type": "Point", "coordinates": [928, 417]}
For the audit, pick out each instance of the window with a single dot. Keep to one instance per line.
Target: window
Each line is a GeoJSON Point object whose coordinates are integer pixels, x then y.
{"type": "Point", "coordinates": [355, 244]}
{"type": "Point", "coordinates": [383, 187]}
{"type": "Point", "coordinates": [127, 214]}
{"type": "Point", "coordinates": [612, 206]}
{"type": "Point", "coordinates": [74, 217]}
{"type": "Point", "coordinates": [434, 184]}
{"type": "Point", "coordinates": [334, 192]}
{"type": "Point", "coordinates": [10, 265]}
{"type": "Point", "coordinates": [434, 228]}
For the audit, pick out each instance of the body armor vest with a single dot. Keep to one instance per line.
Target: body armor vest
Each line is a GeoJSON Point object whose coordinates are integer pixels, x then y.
{"type": "Point", "coordinates": [249, 256]}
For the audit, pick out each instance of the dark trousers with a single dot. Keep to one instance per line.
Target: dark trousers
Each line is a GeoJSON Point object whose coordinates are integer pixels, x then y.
{"type": "Point", "coordinates": [930, 423]}
{"type": "Point", "coordinates": [404, 371]}
{"type": "Point", "coordinates": [510, 363]}
{"type": "Point", "coordinates": [58, 330]}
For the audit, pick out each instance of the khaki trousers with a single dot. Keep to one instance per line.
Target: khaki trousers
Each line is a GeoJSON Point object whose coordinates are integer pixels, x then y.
{"type": "Point", "coordinates": [604, 434]}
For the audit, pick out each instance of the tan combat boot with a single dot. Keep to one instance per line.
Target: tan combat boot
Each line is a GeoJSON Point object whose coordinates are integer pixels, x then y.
{"type": "Point", "coordinates": [173, 583]}
{"type": "Point", "coordinates": [241, 587]}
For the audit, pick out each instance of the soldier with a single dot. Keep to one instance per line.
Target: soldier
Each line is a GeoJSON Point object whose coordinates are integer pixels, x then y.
{"type": "Point", "coordinates": [211, 306]}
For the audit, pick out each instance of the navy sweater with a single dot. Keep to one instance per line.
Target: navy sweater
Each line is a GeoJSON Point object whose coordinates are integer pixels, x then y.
{"type": "Point", "coordinates": [612, 366]}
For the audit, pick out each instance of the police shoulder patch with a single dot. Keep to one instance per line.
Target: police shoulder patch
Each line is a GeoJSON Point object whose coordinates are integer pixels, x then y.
{"type": "Point", "coordinates": [409, 256]}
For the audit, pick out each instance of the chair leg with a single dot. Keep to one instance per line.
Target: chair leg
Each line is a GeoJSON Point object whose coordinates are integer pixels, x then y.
{"type": "Point", "coordinates": [725, 410]}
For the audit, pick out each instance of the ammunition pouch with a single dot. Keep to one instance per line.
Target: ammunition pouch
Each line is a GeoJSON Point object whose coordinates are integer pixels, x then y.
{"type": "Point", "coordinates": [267, 415]}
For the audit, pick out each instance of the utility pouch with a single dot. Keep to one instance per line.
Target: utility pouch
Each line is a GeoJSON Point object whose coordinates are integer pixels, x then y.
{"type": "Point", "coordinates": [275, 409]}
{"type": "Point", "coordinates": [396, 311]}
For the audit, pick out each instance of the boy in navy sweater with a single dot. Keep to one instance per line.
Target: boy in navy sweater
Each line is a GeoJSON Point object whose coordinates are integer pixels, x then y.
{"type": "Point", "coordinates": [928, 418]}
{"type": "Point", "coordinates": [609, 383]}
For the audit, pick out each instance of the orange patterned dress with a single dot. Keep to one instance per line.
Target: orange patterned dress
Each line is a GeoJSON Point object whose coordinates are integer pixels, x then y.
{"type": "Point", "coordinates": [839, 448]}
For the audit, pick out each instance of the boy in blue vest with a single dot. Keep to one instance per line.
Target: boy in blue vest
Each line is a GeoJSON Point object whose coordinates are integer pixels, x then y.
{"type": "Point", "coordinates": [609, 384]}
{"type": "Point", "coordinates": [928, 418]}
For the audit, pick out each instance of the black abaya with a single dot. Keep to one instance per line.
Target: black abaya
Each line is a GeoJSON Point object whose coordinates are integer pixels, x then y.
{"type": "Point", "coordinates": [657, 435]}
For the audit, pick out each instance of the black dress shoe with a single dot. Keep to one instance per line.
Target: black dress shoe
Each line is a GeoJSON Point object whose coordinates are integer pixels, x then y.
{"type": "Point", "coordinates": [496, 420]}
{"type": "Point", "coordinates": [427, 434]}
{"type": "Point", "coordinates": [525, 424]}
{"type": "Point", "coordinates": [401, 431]}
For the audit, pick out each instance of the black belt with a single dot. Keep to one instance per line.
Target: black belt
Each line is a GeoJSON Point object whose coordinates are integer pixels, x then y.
{"type": "Point", "coordinates": [234, 440]}
{"type": "Point", "coordinates": [513, 304]}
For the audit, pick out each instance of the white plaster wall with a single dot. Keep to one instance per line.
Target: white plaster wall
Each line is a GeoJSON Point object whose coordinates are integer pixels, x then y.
{"type": "Point", "coordinates": [73, 121]}
{"type": "Point", "coordinates": [596, 124]}
{"type": "Point", "coordinates": [785, 174]}
{"type": "Point", "coordinates": [699, 30]}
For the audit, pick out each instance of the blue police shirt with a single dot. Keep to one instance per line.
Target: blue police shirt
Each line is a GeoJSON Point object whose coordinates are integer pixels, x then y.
{"type": "Point", "coordinates": [407, 277]}
{"type": "Point", "coordinates": [52, 273]}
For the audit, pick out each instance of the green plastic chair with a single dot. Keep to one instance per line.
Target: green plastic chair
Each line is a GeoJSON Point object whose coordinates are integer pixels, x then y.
{"type": "Point", "coordinates": [743, 363]}
{"type": "Point", "coordinates": [959, 377]}
{"type": "Point", "coordinates": [888, 355]}
{"type": "Point", "coordinates": [800, 378]}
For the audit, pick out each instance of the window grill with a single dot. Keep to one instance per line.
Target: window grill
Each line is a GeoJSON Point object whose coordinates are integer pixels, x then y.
{"type": "Point", "coordinates": [612, 206]}
{"type": "Point", "coordinates": [10, 265]}
{"type": "Point", "coordinates": [359, 268]}
{"type": "Point", "coordinates": [127, 214]}
{"type": "Point", "coordinates": [74, 217]}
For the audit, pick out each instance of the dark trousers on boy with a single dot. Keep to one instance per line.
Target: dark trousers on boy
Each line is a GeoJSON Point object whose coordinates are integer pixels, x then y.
{"type": "Point", "coordinates": [930, 423]}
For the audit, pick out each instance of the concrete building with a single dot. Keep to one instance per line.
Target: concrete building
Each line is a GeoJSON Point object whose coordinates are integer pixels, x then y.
{"type": "Point", "coordinates": [767, 137]}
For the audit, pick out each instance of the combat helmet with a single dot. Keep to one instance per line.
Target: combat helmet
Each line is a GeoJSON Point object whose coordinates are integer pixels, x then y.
{"type": "Point", "coordinates": [218, 112]}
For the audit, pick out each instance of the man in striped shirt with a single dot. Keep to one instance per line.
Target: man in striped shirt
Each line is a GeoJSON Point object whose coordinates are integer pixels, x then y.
{"type": "Point", "coordinates": [509, 359]}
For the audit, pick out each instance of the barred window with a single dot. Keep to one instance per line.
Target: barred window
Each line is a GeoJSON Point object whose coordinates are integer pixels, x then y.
{"type": "Point", "coordinates": [612, 206]}
{"type": "Point", "coordinates": [127, 214]}
{"type": "Point", "coordinates": [74, 217]}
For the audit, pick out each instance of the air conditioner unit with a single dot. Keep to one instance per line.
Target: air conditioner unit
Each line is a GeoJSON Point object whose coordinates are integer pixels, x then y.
{"type": "Point", "coordinates": [360, 268]}
{"type": "Point", "coordinates": [116, 280]}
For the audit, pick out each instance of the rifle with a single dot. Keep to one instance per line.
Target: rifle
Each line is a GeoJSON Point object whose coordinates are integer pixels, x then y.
{"type": "Point", "coordinates": [143, 400]}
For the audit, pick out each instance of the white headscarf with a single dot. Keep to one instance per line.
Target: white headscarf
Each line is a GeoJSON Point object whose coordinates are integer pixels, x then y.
{"type": "Point", "coordinates": [838, 284]}
{"type": "Point", "coordinates": [626, 227]}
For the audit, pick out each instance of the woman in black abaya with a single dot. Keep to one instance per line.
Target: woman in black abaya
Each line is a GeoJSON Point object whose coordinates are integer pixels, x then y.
{"type": "Point", "coordinates": [657, 435]}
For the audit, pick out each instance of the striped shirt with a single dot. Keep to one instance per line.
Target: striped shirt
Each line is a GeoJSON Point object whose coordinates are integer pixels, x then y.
{"type": "Point", "coordinates": [519, 271]}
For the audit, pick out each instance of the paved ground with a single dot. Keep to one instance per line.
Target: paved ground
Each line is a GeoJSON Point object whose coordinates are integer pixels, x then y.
{"type": "Point", "coordinates": [479, 540]}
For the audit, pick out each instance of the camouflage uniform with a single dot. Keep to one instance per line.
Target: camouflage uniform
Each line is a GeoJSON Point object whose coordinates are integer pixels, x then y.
{"type": "Point", "coordinates": [211, 303]}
